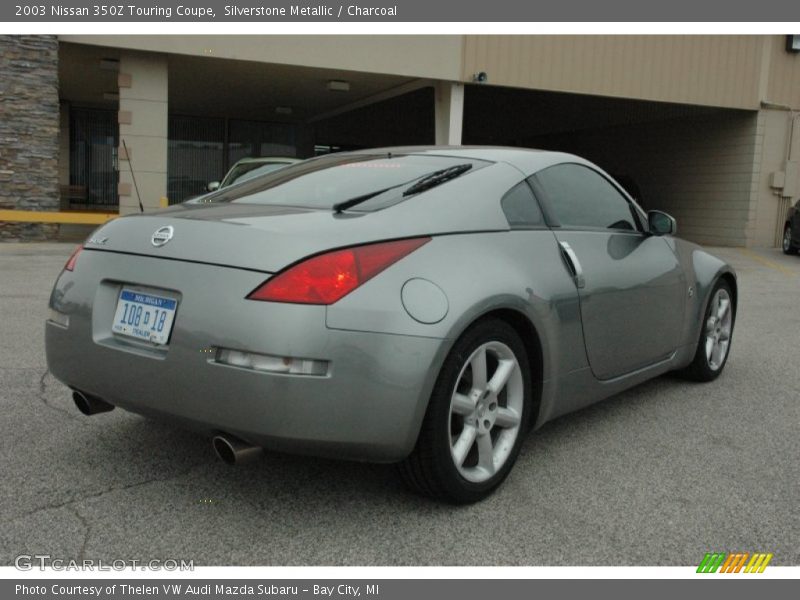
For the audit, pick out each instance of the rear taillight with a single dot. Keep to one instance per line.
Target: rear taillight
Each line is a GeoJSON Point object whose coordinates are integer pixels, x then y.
{"type": "Point", "coordinates": [73, 258]}
{"type": "Point", "coordinates": [326, 278]}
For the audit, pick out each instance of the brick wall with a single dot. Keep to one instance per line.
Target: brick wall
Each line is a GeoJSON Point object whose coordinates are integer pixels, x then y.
{"type": "Point", "coordinates": [28, 131]}
{"type": "Point", "coordinates": [701, 171]}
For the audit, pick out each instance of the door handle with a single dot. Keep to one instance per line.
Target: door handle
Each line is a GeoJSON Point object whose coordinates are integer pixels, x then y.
{"type": "Point", "coordinates": [574, 264]}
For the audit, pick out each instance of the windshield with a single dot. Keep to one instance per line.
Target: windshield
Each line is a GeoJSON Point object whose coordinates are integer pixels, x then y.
{"type": "Point", "coordinates": [324, 182]}
{"type": "Point", "coordinates": [249, 170]}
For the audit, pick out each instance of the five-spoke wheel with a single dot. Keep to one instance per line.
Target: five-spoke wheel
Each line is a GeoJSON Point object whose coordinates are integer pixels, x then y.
{"type": "Point", "coordinates": [719, 326]}
{"type": "Point", "coordinates": [486, 411]}
{"type": "Point", "coordinates": [473, 428]}
{"type": "Point", "coordinates": [715, 336]}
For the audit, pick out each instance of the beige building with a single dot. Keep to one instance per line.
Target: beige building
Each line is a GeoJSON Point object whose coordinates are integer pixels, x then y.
{"type": "Point", "coordinates": [704, 127]}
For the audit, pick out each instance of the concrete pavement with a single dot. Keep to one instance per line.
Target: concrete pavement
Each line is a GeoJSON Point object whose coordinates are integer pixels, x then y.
{"type": "Point", "coordinates": [656, 476]}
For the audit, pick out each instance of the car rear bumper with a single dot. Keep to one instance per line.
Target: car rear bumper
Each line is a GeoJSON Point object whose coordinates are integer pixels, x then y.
{"type": "Point", "coordinates": [369, 406]}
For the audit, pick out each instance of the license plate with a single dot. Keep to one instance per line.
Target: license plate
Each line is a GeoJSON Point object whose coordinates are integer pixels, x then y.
{"type": "Point", "coordinates": [144, 316]}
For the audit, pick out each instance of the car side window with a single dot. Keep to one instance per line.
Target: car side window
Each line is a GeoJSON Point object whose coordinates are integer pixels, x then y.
{"type": "Point", "coordinates": [521, 208]}
{"type": "Point", "coordinates": [581, 197]}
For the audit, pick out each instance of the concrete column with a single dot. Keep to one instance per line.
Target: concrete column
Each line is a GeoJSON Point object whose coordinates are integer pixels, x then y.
{"type": "Point", "coordinates": [63, 151]}
{"type": "Point", "coordinates": [143, 80]}
{"type": "Point", "coordinates": [449, 98]}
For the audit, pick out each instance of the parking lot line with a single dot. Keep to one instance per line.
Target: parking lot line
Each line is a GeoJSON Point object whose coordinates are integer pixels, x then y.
{"type": "Point", "coordinates": [767, 263]}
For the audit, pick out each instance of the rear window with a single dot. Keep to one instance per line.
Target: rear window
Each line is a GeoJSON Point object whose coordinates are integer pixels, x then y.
{"type": "Point", "coordinates": [321, 183]}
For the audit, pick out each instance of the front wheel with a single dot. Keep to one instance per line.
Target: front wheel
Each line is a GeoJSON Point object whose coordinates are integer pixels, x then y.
{"type": "Point", "coordinates": [788, 247]}
{"type": "Point", "coordinates": [478, 411]}
{"type": "Point", "coordinates": [716, 332]}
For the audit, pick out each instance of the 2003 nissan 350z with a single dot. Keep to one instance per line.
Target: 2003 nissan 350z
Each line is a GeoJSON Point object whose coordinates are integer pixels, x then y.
{"type": "Point", "coordinates": [425, 306]}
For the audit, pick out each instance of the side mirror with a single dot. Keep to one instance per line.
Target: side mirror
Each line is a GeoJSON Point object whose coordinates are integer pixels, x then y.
{"type": "Point", "coordinates": [660, 223]}
{"type": "Point", "coordinates": [213, 186]}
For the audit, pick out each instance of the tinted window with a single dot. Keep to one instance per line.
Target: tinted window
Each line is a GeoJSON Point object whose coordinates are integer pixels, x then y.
{"type": "Point", "coordinates": [581, 197]}
{"type": "Point", "coordinates": [521, 208]}
{"type": "Point", "coordinates": [328, 180]}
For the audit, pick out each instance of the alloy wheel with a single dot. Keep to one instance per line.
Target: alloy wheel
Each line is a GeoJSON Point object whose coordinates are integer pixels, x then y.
{"type": "Point", "coordinates": [718, 329]}
{"type": "Point", "coordinates": [486, 411]}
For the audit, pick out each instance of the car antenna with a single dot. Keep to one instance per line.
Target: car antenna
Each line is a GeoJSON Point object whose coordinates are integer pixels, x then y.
{"type": "Point", "coordinates": [130, 166]}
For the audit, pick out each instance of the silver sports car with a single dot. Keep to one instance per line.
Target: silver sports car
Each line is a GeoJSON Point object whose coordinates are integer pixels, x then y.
{"type": "Point", "coordinates": [425, 305]}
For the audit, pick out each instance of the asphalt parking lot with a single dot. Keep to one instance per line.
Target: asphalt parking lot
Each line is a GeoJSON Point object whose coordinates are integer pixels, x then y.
{"type": "Point", "coordinates": [656, 476]}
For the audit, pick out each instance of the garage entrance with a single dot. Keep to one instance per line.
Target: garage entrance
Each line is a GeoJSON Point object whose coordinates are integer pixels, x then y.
{"type": "Point", "coordinates": [694, 162]}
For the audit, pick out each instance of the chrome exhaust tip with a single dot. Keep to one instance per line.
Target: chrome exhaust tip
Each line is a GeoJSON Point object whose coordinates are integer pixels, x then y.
{"type": "Point", "coordinates": [235, 451]}
{"type": "Point", "coordinates": [90, 405]}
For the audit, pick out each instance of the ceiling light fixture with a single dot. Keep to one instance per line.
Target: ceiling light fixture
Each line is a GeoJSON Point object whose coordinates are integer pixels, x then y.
{"type": "Point", "coordinates": [337, 85]}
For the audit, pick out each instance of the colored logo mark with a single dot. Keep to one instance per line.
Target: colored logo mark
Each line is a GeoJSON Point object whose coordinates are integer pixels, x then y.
{"type": "Point", "coordinates": [734, 562]}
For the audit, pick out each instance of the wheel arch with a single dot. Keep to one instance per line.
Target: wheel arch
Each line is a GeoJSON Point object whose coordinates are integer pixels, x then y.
{"type": "Point", "coordinates": [421, 469]}
{"type": "Point", "coordinates": [529, 334]}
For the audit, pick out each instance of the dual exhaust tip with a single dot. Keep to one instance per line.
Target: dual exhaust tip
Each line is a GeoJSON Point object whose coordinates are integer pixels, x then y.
{"type": "Point", "coordinates": [229, 449]}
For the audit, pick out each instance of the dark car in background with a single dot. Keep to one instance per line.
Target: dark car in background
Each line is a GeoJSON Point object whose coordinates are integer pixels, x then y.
{"type": "Point", "coordinates": [791, 231]}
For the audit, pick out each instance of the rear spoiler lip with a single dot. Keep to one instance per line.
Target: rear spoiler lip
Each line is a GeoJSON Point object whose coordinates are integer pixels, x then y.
{"type": "Point", "coordinates": [186, 260]}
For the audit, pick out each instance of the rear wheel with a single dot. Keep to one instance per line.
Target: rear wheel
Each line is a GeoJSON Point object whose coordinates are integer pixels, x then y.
{"type": "Point", "coordinates": [476, 417]}
{"type": "Point", "coordinates": [788, 246]}
{"type": "Point", "coordinates": [715, 335]}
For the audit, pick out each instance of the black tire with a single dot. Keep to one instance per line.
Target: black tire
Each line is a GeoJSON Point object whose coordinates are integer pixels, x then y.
{"type": "Point", "coordinates": [701, 368]}
{"type": "Point", "coordinates": [430, 469]}
{"type": "Point", "coordinates": [788, 247]}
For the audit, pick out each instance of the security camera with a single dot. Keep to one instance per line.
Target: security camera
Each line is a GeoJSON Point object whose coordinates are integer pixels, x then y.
{"type": "Point", "coordinates": [481, 77]}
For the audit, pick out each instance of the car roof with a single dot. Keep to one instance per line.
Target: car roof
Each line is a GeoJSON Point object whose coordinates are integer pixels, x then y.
{"type": "Point", "coordinates": [527, 160]}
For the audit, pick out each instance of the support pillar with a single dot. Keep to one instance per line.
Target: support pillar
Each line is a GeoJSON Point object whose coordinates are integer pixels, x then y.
{"type": "Point", "coordinates": [143, 110]}
{"type": "Point", "coordinates": [449, 98]}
